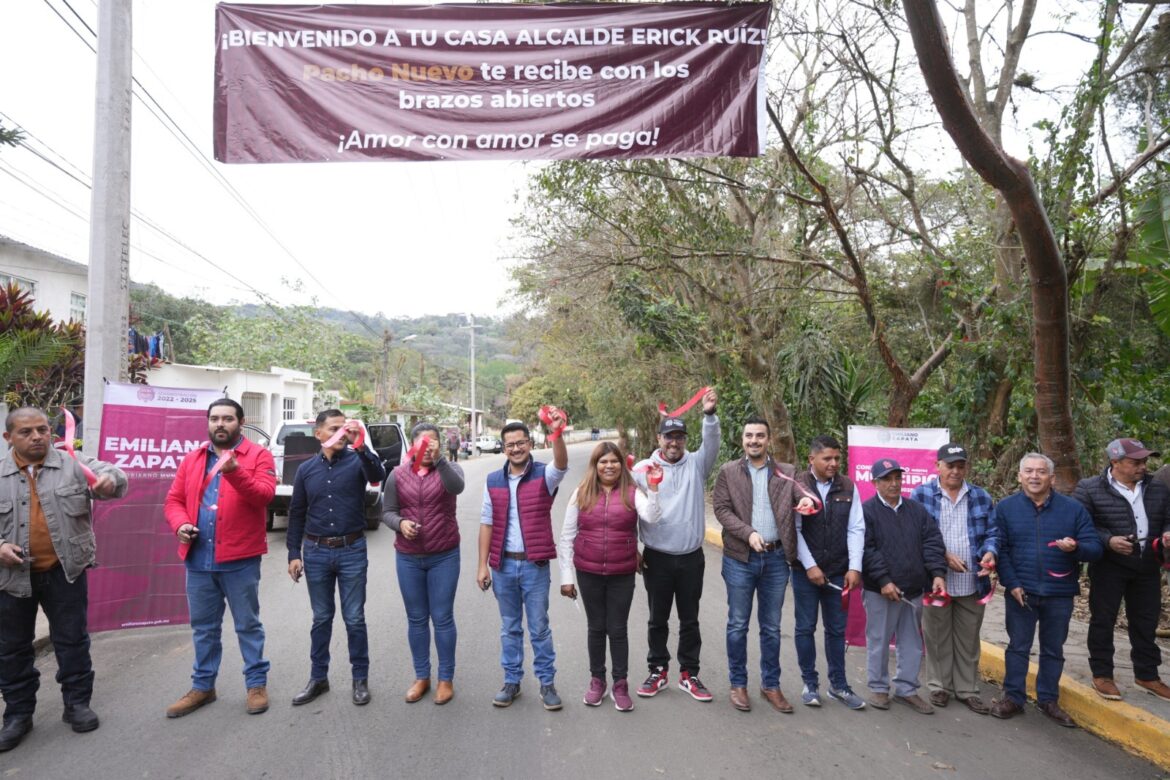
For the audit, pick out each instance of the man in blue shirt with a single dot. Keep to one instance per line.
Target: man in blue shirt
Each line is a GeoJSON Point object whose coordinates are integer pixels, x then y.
{"type": "Point", "coordinates": [327, 515]}
{"type": "Point", "coordinates": [516, 541]}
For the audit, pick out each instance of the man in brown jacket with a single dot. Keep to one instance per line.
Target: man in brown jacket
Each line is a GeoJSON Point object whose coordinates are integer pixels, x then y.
{"type": "Point", "coordinates": [754, 499]}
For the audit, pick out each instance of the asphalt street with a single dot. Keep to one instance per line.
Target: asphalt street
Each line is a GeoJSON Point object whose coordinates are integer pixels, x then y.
{"type": "Point", "coordinates": [140, 672]}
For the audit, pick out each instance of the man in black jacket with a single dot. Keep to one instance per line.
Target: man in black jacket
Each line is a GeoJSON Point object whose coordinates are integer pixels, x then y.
{"type": "Point", "coordinates": [1131, 511]}
{"type": "Point", "coordinates": [904, 555]}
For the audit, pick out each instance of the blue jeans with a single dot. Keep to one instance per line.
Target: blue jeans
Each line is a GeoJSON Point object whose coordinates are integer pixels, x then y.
{"type": "Point", "coordinates": [343, 569]}
{"type": "Point", "coordinates": [807, 598]}
{"type": "Point", "coordinates": [207, 592]}
{"type": "Point", "coordinates": [428, 584]}
{"type": "Point", "coordinates": [521, 589]}
{"type": "Point", "coordinates": [764, 576]}
{"type": "Point", "coordinates": [1052, 613]}
{"type": "Point", "coordinates": [65, 605]}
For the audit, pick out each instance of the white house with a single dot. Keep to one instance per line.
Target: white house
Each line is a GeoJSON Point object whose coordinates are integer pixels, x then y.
{"type": "Point", "coordinates": [57, 285]}
{"type": "Point", "coordinates": [267, 396]}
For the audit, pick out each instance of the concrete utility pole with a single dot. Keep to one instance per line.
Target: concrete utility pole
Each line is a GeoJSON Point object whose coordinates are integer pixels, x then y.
{"type": "Point", "coordinates": [107, 306]}
{"type": "Point", "coordinates": [471, 326]}
{"type": "Point", "coordinates": [382, 386]}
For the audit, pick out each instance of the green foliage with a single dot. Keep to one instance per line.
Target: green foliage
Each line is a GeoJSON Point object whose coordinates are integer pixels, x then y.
{"type": "Point", "coordinates": [545, 389]}
{"type": "Point", "coordinates": [42, 363]}
{"type": "Point", "coordinates": [1152, 252]}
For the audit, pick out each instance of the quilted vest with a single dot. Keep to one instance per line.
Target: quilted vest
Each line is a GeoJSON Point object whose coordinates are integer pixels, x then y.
{"type": "Point", "coordinates": [423, 500]}
{"type": "Point", "coordinates": [535, 510]}
{"type": "Point", "coordinates": [607, 536]}
{"type": "Point", "coordinates": [826, 532]}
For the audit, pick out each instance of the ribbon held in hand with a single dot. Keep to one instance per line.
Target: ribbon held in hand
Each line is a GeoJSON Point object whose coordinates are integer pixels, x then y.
{"type": "Point", "coordinates": [340, 434]}
{"type": "Point", "coordinates": [940, 599]}
{"type": "Point", "coordinates": [844, 594]}
{"type": "Point", "coordinates": [417, 451]}
{"type": "Point", "coordinates": [554, 431]}
{"type": "Point", "coordinates": [219, 464]}
{"type": "Point", "coordinates": [816, 507]}
{"type": "Point", "coordinates": [679, 412]}
{"type": "Point", "coordinates": [990, 593]}
{"type": "Point", "coordinates": [653, 472]}
{"type": "Point", "coordinates": [70, 434]}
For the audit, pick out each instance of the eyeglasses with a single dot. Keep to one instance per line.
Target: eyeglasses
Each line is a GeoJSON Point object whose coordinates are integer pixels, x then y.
{"type": "Point", "coordinates": [516, 445]}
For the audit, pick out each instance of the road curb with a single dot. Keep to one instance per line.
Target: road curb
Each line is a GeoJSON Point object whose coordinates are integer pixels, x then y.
{"type": "Point", "coordinates": [1132, 728]}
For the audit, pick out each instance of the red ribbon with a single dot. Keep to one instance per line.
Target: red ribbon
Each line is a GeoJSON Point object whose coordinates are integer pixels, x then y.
{"type": "Point", "coordinates": [70, 434]}
{"type": "Point", "coordinates": [816, 507]}
{"type": "Point", "coordinates": [417, 451]}
{"type": "Point", "coordinates": [340, 434]}
{"type": "Point", "coordinates": [679, 412]}
{"type": "Point", "coordinates": [1052, 573]}
{"type": "Point", "coordinates": [990, 593]}
{"type": "Point", "coordinates": [219, 464]}
{"type": "Point", "coordinates": [645, 469]}
{"type": "Point", "coordinates": [1157, 544]}
{"type": "Point", "coordinates": [940, 599]}
{"type": "Point", "coordinates": [545, 415]}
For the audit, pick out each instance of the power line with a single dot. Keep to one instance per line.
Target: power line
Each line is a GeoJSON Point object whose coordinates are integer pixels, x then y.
{"type": "Point", "coordinates": [193, 149]}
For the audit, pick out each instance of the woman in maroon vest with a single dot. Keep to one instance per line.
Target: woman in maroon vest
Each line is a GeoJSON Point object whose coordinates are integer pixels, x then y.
{"type": "Point", "coordinates": [419, 504]}
{"type": "Point", "coordinates": [600, 539]}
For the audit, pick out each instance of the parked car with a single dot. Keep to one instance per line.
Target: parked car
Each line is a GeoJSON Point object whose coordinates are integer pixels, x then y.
{"type": "Point", "coordinates": [488, 444]}
{"type": "Point", "coordinates": [294, 444]}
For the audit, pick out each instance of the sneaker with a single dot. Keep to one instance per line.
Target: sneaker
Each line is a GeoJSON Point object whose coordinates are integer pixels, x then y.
{"type": "Point", "coordinates": [694, 686]}
{"type": "Point", "coordinates": [810, 697]}
{"type": "Point", "coordinates": [549, 698]}
{"type": "Point", "coordinates": [596, 692]}
{"type": "Point", "coordinates": [507, 694]}
{"type": "Point", "coordinates": [189, 702]}
{"type": "Point", "coordinates": [847, 697]}
{"type": "Point", "coordinates": [621, 696]}
{"type": "Point", "coordinates": [654, 683]}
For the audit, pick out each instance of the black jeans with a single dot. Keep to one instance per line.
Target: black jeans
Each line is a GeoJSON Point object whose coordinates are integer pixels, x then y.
{"type": "Point", "coordinates": [674, 579]}
{"type": "Point", "coordinates": [65, 605]}
{"type": "Point", "coordinates": [1109, 583]}
{"type": "Point", "coordinates": [607, 600]}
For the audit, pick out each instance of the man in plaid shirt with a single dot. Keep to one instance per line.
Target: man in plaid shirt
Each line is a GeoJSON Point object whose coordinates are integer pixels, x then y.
{"type": "Point", "coordinates": [951, 632]}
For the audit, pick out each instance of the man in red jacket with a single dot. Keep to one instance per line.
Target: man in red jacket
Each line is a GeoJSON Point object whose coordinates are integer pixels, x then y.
{"type": "Point", "coordinates": [216, 506]}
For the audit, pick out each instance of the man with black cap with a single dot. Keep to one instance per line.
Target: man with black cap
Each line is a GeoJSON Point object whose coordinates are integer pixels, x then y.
{"type": "Point", "coordinates": [672, 557]}
{"type": "Point", "coordinates": [1131, 512]}
{"type": "Point", "coordinates": [951, 630]}
{"type": "Point", "coordinates": [904, 554]}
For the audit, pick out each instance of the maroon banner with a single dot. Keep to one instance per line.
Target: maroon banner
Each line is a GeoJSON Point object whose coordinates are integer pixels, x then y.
{"type": "Point", "coordinates": [146, 431]}
{"type": "Point", "coordinates": [312, 83]}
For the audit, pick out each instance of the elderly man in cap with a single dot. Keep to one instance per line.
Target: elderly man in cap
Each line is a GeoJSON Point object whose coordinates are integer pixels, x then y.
{"type": "Point", "coordinates": [951, 631]}
{"type": "Point", "coordinates": [1131, 512]}
{"type": "Point", "coordinates": [904, 555]}
{"type": "Point", "coordinates": [672, 556]}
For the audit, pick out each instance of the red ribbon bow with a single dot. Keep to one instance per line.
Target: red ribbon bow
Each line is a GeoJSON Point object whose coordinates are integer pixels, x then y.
{"type": "Point", "coordinates": [545, 414]}
{"type": "Point", "coordinates": [679, 412]}
{"type": "Point", "coordinates": [70, 434]}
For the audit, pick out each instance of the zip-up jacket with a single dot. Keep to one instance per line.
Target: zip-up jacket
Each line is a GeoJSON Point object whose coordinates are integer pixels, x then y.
{"type": "Point", "coordinates": [1023, 534]}
{"type": "Point", "coordinates": [1112, 515]}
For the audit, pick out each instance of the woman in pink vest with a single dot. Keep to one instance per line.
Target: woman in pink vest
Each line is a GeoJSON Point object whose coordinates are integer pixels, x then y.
{"type": "Point", "coordinates": [600, 539]}
{"type": "Point", "coordinates": [419, 504]}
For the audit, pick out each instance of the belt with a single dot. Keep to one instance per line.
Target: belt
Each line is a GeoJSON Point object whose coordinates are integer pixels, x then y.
{"type": "Point", "coordinates": [516, 556]}
{"type": "Point", "coordinates": [335, 541]}
{"type": "Point", "coordinates": [771, 546]}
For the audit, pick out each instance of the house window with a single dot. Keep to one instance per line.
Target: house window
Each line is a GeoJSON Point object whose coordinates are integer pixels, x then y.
{"type": "Point", "coordinates": [28, 285]}
{"type": "Point", "coordinates": [290, 408]}
{"type": "Point", "coordinates": [253, 404]}
{"type": "Point", "coordinates": [77, 307]}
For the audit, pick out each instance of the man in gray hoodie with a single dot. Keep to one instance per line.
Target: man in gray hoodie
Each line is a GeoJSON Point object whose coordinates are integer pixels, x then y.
{"type": "Point", "coordinates": [672, 555]}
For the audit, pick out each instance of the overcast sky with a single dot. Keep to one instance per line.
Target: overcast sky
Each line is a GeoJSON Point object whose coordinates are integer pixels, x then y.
{"type": "Point", "coordinates": [395, 238]}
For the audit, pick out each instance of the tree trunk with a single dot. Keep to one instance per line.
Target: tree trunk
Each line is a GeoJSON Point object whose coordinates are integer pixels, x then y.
{"type": "Point", "coordinates": [1049, 282]}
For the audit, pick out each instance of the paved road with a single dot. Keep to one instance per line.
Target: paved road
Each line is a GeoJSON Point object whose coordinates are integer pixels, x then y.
{"type": "Point", "coordinates": [140, 672]}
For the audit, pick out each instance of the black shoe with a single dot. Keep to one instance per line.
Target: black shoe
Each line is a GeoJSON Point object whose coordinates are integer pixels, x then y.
{"type": "Point", "coordinates": [14, 731]}
{"type": "Point", "coordinates": [312, 690]}
{"type": "Point", "coordinates": [81, 717]}
{"type": "Point", "coordinates": [361, 692]}
{"type": "Point", "coordinates": [1053, 710]}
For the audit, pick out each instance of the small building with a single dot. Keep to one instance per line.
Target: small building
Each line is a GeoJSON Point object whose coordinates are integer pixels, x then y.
{"type": "Point", "coordinates": [59, 285]}
{"type": "Point", "coordinates": [268, 397]}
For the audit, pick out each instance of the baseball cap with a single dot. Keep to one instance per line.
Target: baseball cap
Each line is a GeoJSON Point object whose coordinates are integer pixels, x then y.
{"type": "Point", "coordinates": [884, 468]}
{"type": "Point", "coordinates": [1128, 448]}
{"type": "Point", "coordinates": [949, 453]}
{"type": "Point", "coordinates": [672, 425]}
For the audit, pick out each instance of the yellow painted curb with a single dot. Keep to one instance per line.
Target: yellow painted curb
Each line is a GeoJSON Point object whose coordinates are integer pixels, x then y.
{"type": "Point", "coordinates": [1130, 727]}
{"type": "Point", "coordinates": [1134, 729]}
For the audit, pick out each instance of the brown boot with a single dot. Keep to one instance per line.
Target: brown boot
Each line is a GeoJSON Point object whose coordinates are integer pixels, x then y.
{"type": "Point", "coordinates": [1106, 688]}
{"type": "Point", "coordinates": [739, 699]}
{"type": "Point", "coordinates": [418, 690]}
{"type": "Point", "coordinates": [191, 701]}
{"type": "Point", "coordinates": [1155, 687]}
{"type": "Point", "coordinates": [776, 698]}
{"type": "Point", "coordinates": [257, 700]}
{"type": "Point", "coordinates": [445, 692]}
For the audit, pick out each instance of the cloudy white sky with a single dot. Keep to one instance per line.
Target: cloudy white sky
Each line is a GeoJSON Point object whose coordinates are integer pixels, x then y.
{"type": "Point", "coordinates": [396, 238]}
